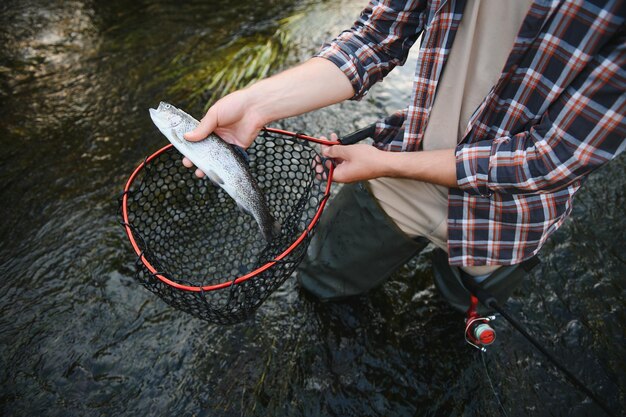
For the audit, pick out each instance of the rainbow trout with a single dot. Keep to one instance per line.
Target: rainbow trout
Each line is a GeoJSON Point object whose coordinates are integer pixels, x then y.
{"type": "Point", "coordinates": [221, 162]}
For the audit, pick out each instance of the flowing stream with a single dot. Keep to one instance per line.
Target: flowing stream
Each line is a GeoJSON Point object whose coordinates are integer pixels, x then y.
{"type": "Point", "coordinates": [80, 337]}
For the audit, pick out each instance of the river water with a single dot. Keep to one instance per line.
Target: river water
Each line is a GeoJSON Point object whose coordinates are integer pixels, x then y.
{"type": "Point", "coordinates": [80, 337]}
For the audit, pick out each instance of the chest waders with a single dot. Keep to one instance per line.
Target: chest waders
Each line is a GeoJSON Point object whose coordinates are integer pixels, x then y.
{"type": "Point", "coordinates": [357, 247]}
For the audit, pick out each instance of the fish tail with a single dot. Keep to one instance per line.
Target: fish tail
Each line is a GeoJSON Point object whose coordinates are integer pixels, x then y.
{"type": "Point", "coordinates": [271, 232]}
{"type": "Point", "coordinates": [276, 226]}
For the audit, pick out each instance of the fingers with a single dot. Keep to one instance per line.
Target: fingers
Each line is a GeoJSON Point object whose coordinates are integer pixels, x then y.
{"type": "Point", "coordinates": [187, 163]}
{"type": "Point", "coordinates": [331, 151]}
{"type": "Point", "coordinates": [205, 128]}
{"type": "Point", "coordinates": [335, 151]}
{"type": "Point", "coordinates": [320, 168]}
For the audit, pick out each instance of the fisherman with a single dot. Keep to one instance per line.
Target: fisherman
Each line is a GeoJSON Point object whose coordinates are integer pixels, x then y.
{"type": "Point", "coordinates": [514, 103]}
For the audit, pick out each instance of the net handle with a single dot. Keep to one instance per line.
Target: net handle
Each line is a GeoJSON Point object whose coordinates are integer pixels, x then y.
{"type": "Point", "coordinates": [359, 135]}
{"type": "Point", "coordinates": [349, 139]}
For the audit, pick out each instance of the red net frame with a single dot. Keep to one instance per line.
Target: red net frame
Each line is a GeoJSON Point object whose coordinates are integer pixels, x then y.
{"type": "Point", "coordinates": [195, 298]}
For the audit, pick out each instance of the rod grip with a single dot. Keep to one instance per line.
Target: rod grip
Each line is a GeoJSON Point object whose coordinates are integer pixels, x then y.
{"type": "Point", "coordinates": [359, 135]}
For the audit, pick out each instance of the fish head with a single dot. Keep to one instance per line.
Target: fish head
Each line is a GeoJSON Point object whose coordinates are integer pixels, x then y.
{"type": "Point", "coordinates": [166, 117]}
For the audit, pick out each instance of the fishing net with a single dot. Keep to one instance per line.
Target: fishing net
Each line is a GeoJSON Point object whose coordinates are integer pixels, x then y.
{"type": "Point", "coordinates": [198, 252]}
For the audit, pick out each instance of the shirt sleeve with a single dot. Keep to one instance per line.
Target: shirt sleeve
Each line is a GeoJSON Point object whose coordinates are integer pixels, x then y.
{"type": "Point", "coordinates": [582, 130]}
{"type": "Point", "coordinates": [378, 41]}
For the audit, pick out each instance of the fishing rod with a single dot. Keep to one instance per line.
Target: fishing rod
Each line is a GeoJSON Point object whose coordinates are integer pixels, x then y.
{"type": "Point", "coordinates": [490, 301]}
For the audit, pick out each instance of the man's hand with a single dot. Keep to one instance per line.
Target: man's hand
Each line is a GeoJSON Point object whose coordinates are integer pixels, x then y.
{"type": "Point", "coordinates": [238, 117]}
{"type": "Point", "coordinates": [363, 162]}
{"type": "Point", "coordinates": [232, 119]}
{"type": "Point", "coordinates": [355, 162]}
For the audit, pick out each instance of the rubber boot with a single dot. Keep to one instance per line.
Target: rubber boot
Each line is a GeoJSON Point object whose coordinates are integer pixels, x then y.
{"type": "Point", "coordinates": [356, 247]}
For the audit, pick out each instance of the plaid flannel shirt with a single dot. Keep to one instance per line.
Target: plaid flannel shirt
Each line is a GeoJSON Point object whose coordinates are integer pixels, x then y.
{"type": "Point", "coordinates": [555, 114]}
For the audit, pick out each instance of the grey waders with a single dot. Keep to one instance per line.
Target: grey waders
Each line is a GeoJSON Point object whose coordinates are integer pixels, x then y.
{"type": "Point", "coordinates": [357, 247]}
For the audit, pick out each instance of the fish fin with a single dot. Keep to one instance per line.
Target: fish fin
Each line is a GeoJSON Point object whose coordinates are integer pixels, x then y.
{"type": "Point", "coordinates": [214, 178]}
{"type": "Point", "coordinates": [241, 152]}
{"type": "Point", "coordinates": [175, 135]}
{"type": "Point", "coordinates": [276, 227]}
{"type": "Point", "coordinates": [242, 209]}
{"type": "Point", "coordinates": [271, 233]}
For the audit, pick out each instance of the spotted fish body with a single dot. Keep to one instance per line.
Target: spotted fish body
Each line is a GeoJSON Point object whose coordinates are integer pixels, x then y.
{"type": "Point", "coordinates": [220, 161]}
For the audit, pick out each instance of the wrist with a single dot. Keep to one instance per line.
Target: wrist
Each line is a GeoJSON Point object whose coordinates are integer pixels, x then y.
{"type": "Point", "coordinates": [264, 101]}
{"type": "Point", "coordinates": [389, 165]}
{"type": "Point", "coordinates": [435, 166]}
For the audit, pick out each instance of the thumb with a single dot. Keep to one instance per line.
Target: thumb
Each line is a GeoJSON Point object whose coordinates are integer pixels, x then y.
{"type": "Point", "coordinates": [205, 128]}
{"type": "Point", "coordinates": [334, 151]}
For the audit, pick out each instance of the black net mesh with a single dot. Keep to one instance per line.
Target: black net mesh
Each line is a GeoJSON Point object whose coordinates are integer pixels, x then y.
{"type": "Point", "coordinates": [192, 232]}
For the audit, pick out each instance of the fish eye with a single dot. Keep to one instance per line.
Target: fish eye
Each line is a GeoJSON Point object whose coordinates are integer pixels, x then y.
{"type": "Point", "coordinates": [167, 106]}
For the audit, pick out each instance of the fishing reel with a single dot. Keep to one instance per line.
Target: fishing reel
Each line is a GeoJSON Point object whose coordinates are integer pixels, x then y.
{"type": "Point", "coordinates": [478, 331]}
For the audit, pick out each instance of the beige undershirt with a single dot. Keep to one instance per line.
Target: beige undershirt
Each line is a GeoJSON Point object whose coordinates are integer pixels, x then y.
{"type": "Point", "coordinates": [480, 49]}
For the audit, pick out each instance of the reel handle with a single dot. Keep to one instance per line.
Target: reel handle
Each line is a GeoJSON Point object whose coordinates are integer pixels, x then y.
{"type": "Point", "coordinates": [359, 135]}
